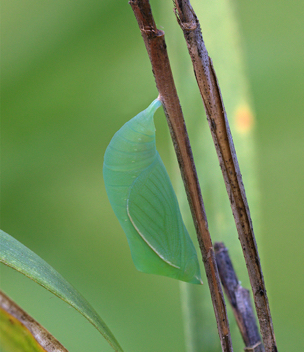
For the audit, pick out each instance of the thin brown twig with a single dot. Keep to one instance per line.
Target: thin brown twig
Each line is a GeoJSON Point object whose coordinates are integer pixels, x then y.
{"type": "Point", "coordinates": [156, 47]}
{"type": "Point", "coordinates": [219, 126]}
{"type": "Point", "coordinates": [239, 299]}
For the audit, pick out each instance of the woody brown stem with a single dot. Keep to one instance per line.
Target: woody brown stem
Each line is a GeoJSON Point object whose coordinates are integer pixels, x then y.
{"type": "Point", "coordinates": [156, 48]}
{"type": "Point", "coordinates": [219, 126]}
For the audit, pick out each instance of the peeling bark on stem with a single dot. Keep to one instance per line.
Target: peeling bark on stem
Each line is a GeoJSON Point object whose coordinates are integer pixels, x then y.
{"type": "Point", "coordinates": [156, 48]}
{"type": "Point", "coordinates": [239, 299]}
{"type": "Point", "coordinates": [219, 126]}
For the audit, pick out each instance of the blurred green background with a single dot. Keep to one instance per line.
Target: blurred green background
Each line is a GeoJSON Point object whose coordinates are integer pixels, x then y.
{"type": "Point", "coordinates": [72, 74]}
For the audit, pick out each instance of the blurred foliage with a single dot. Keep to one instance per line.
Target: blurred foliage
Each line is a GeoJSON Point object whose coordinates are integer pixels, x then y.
{"type": "Point", "coordinates": [72, 74]}
{"type": "Point", "coordinates": [15, 255]}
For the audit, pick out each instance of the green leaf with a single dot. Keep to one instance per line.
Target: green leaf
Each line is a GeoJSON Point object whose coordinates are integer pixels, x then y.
{"type": "Point", "coordinates": [15, 255]}
{"type": "Point", "coordinates": [19, 332]}
{"type": "Point", "coordinates": [15, 337]}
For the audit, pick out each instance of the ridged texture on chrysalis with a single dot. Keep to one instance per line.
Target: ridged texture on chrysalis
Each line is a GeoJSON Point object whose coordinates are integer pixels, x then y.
{"type": "Point", "coordinates": [143, 199]}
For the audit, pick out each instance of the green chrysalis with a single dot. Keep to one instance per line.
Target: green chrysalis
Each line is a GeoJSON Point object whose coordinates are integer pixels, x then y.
{"type": "Point", "coordinates": [143, 199]}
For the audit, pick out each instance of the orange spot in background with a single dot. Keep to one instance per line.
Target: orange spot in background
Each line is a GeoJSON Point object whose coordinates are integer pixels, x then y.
{"type": "Point", "coordinates": [244, 119]}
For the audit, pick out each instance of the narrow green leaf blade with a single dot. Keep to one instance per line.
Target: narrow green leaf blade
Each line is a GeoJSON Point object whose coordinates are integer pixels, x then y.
{"type": "Point", "coordinates": [15, 255]}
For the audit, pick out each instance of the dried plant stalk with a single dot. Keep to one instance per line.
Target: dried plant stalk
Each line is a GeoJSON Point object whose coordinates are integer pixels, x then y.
{"type": "Point", "coordinates": [156, 47]}
{"type": "Point", "coordinates": [219, 126]}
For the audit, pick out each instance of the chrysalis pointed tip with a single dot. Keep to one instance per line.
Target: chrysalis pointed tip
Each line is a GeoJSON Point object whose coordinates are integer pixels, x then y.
{"type": "Point", "coordinates": [154, 106]}
{"type": "Point", "coordinates": [197, 281]}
